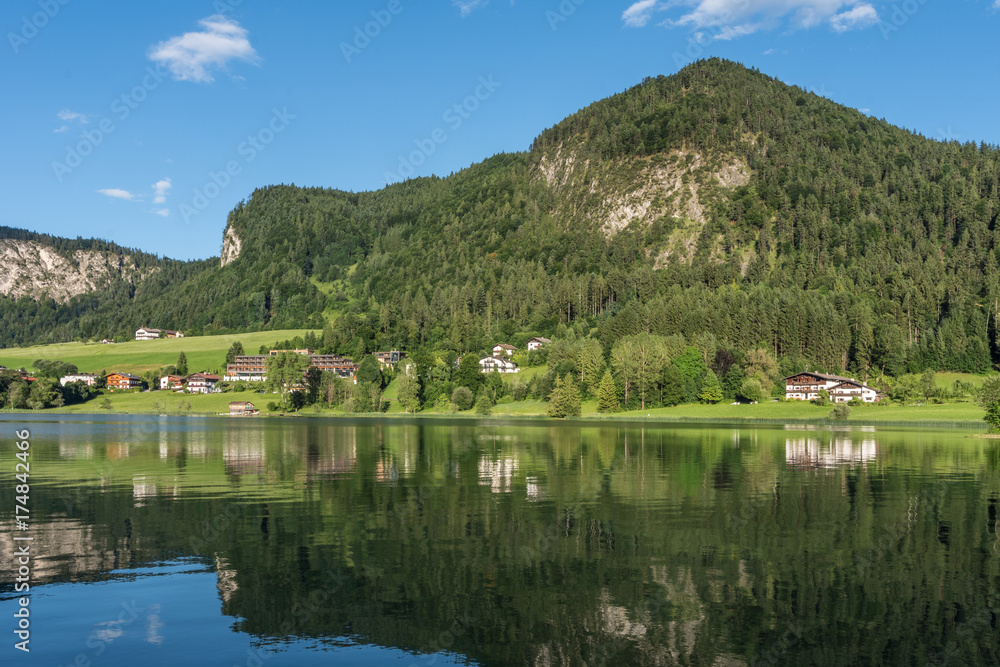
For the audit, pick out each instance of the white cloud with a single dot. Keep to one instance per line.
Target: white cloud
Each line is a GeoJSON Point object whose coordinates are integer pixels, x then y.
{"type": "Point", "coordinates": [638, 14]}
{"type": "Point", "coordinates": [61, 129]}
{"type": "Point", "coordinates": [729, 19]}
{"type": "Point", "coordinates": [66, 114]}
{"type": "Point", "coordinates": [191, 56]}
{"type": "Point", "coordinates": [117, 193]}
{"type": "Point", "coordinates": [859, 16]}
{"type": "Point", "coordinates": [162, 211]}
{"type": "Point", "coordinates": [160, 190]}
{"type": "Point", "coordinates": [469, 6]}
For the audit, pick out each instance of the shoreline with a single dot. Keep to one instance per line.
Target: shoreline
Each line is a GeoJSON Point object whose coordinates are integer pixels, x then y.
{"type": "Point", "coordinates": [610, 418]}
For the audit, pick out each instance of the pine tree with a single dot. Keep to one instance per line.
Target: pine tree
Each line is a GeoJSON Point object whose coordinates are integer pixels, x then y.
{"type": "Point", "coordinates": [182, 364]}
{"type": "Point", "coordinates": [564, 401]}
{"type": "Point", "coordinates": [235, 350]}
{"type": "Point", "coordinates": [409, 389]}
{"type": "Point", "coordinates": [607, 394]}
{"type": "Point", "coordinates": [711, 389]}
{"type": "Point", "coordinates": [556, 407]}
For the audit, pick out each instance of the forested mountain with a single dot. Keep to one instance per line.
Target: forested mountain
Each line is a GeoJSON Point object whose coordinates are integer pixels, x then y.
{"type": "Point", "coordinates": [715, 200]}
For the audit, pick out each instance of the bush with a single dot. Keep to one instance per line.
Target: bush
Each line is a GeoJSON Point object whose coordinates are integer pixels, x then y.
{"type": "Point", "coordinates": [751, 391]}
{"type": "Point", "coordinates": [992, 417]}
{"type": "Point", "coordinates": [462, 398]}
{"type": "Point", "coordinates": [273, 407]}
{"type": "Point", "coordinates": [841, 412]}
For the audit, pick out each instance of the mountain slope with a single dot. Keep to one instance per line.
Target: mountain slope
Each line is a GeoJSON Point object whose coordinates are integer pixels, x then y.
{"type": "Point", "coordinates": [717, 200]}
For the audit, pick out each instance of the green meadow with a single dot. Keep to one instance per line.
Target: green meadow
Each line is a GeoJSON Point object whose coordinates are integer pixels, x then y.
{"type": "Point", "coordinates": [965, 414]}
{"type": "Point", "coordinates": [138, 356]}
{"type": "Point", "coordinates": [208, 353]}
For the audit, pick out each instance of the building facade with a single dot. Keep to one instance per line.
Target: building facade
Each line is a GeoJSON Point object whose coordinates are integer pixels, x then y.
{"type": "Point", "coordinates": [498, 364]}
{"type": "Point", "coordinates": [123, 381]}
{"type": "Point", "coordinates": [536, 343]}
{"type": "Point", "coordinates": [202, 383]}
{"type": "Point", "coordinates": [807, 385]}
{"type": "Point", "coordinates": [86, 378]}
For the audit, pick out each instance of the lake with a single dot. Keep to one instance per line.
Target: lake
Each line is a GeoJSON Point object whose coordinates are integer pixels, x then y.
{"type": "Point", "coordinates": [218, 541]}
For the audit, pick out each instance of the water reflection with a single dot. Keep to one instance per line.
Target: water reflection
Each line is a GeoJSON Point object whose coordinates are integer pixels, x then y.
{"type": "Point", "coordinates": [837, 451]}
{"type": "Point", "coordinates": [539, 543]}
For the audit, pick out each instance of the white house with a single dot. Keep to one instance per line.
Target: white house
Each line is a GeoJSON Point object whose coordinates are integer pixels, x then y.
{"type": "Point", "coordinates": [806, 386]}
{"type": "Point", "coordinates": [202, 383]}
{"type": "Point", "coordinates": [536, 343]}
{"type": "Point", "coordinates": [172, 382]}
{"type": "Point", "coordinates": [85, 378]}
{"type": "Point", "coordinates": [501, 349]}
{"type": "Point", "coordinates": [499, 364]}
{"type": "Point", "coordinates": [147, 333]}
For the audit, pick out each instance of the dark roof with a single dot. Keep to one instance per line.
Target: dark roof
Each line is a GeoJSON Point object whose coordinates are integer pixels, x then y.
{"type": "Point", "coordinates": [833, 378]}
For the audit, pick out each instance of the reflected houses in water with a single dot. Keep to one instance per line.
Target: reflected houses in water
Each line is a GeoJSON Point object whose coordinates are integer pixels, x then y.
{"type": "Point", "coordinates": [842, 449]}
{"type": "Point", "coordinates": [67, 550]}
{"type": "Point", "coordinates": [243, 451]}
{"type": "Point", "coordinates": [499, 474]}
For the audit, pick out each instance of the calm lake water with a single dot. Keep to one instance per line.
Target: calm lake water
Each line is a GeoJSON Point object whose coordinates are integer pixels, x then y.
{"type": "Point", "coordinates": [172, 541]}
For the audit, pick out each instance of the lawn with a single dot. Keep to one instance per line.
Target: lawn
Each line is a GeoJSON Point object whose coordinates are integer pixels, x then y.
{"type": "Point", "coordinates": [800, 410]}
{"type": "Point", "coordinates": [139, 356]}
{"type": "Point", "coordinates": [153, 402]}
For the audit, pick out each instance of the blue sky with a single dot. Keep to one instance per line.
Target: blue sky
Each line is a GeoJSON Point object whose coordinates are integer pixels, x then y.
{"type": "Point", "coordinates": [145, 123]}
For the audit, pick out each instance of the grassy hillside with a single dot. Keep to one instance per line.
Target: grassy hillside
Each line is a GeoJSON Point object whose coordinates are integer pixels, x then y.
{"type": "Point", "coordinates": [203, 352]}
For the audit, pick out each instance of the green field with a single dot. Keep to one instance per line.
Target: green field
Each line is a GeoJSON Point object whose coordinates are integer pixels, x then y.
{"type": "Point", "coordinates": [963, 414]}
{"type": "Point", "coordinates": [154, 402]}
{"type": "Point", "coordinates": [138, 356]}
{"type": "Point", "coordinates": [804, 411]}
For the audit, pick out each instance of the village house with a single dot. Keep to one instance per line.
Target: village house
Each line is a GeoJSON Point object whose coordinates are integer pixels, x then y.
{"type": "Point", "coordinates": [202, 383]}
{"type": "Point", "coordinates": [107, 341]}
{"type": "Point", "coordinates": [536, 343]}
{"type": "Point", "coordinates": [389, 359]}
{"type": "Point", "coordinates": [123, 381]}
{"type": "Point", "coordinates": [241, 408]}
{"type": "Point", "coordinates": [501, 349]}
{"type": "Point", "coordinates": [807, 385]}
{"type": "Point", "coordinates": [86, 378]}
{"type": "Point", "coordinates": [498, 364]}
{"type": "Point", "coordinates": [172, 382]}
{"type": "Point", "coordinates": [147, 333]}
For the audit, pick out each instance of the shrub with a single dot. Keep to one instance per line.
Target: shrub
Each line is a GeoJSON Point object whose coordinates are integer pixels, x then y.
{"type": "Point", "coordinates": [462, 398]}
{"type": "Point", "coordinates": [841, 412]}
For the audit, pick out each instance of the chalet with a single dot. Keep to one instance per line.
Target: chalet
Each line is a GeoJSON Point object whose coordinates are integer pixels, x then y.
{"type": "Point", "coordinates": [806, 386]}
{"type": "Point", "coordinates": [147, 333]}
{"type": "Point", "coordinates": [202, 383]}
{"type": "Point", "coordinates": [501, 349]}
{"type": "Point", "coordinates": [107, 341]}
{"type": "Point", "coordinates": [536, 343]}
{"type": "Point", "coordinates": [240, 408]}
{"type": "Point", "coordinates": [498, 364]}
{"type": "Point", "coordinates": [85, 378]}
{"type": "Point", "coordinates": [172, 382]}
{"type": "Point", "coordinates": [389, 359]}
{"type": "Point", "coordinates": [123, 381]}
